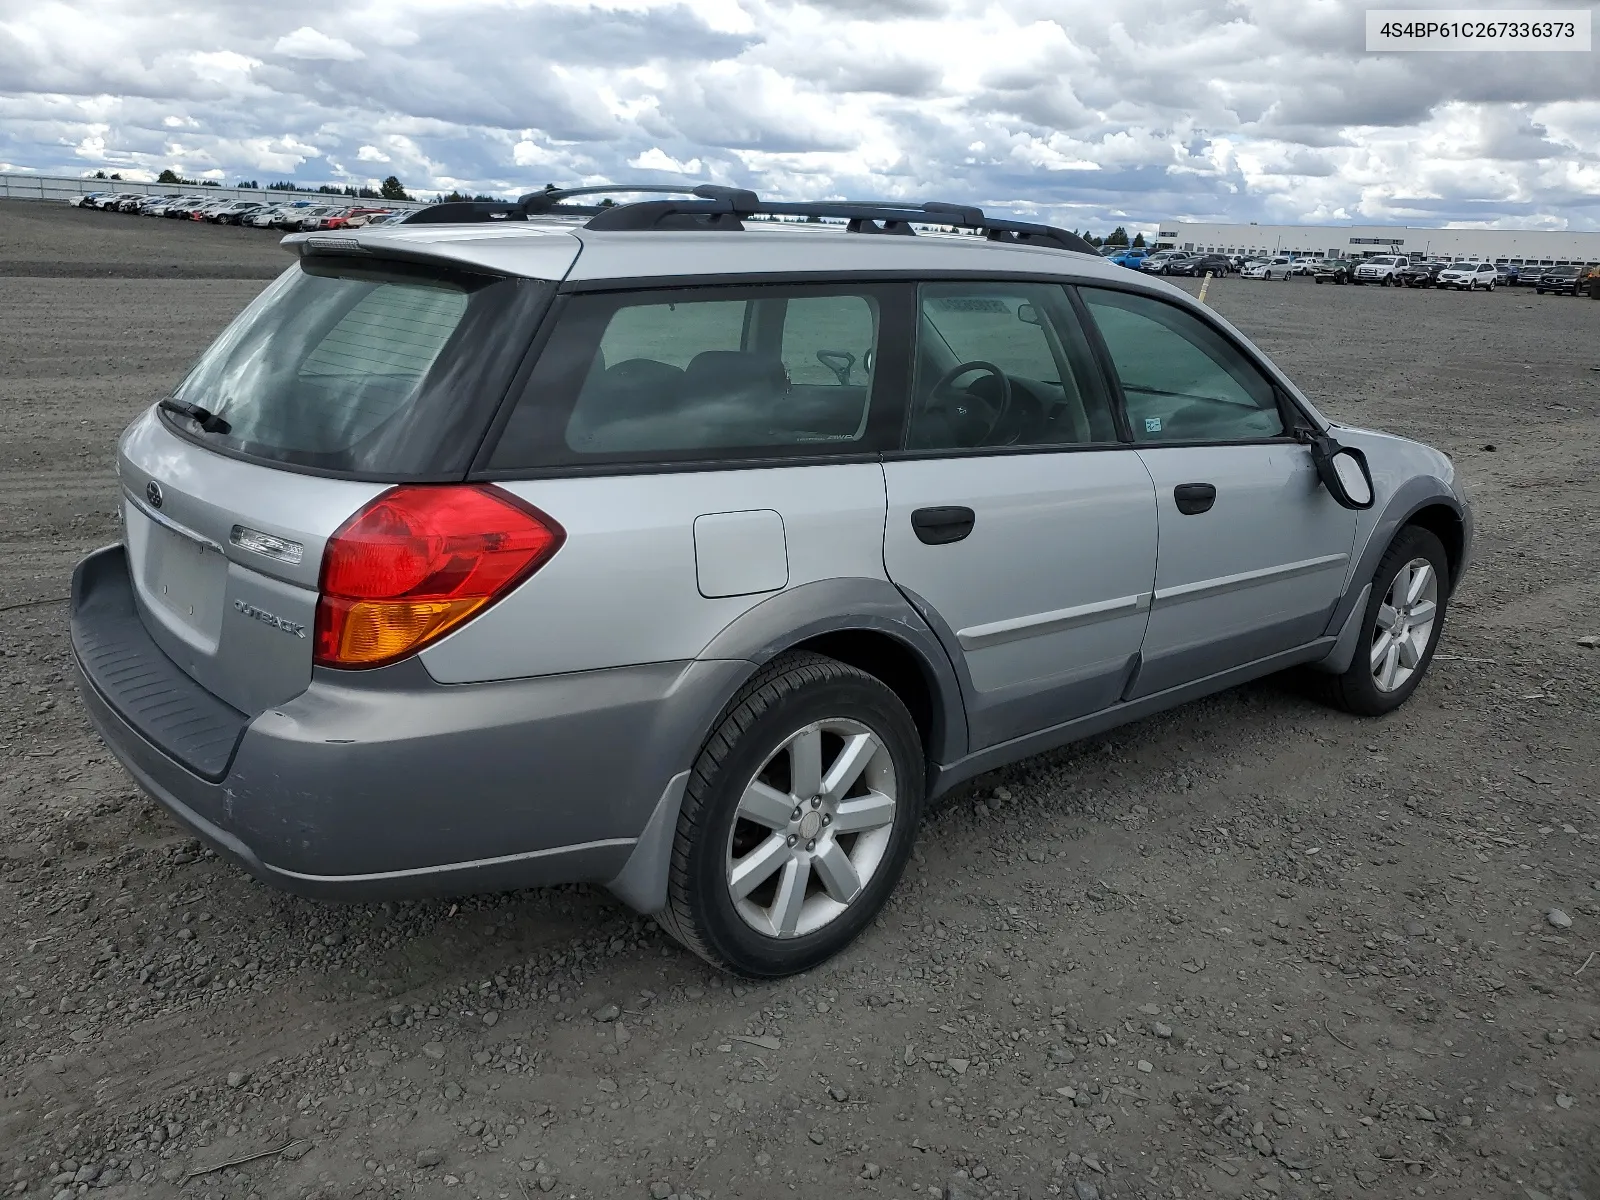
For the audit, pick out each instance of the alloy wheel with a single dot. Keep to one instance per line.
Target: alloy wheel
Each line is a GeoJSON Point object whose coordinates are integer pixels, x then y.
{"type": "Point", "coordinates": [1404, 625]}
{"type": "Point", "coordinates": [812, 828]}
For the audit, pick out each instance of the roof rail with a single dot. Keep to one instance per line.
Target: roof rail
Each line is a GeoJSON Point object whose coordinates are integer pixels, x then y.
{"type": "Point", "coordinates": [712, 206]}
{"type": "Point", "coordinates": [546, 201]}
{"type": "Point", "coordinates": [722, 208]}
{"type": "Point", "coordinates": [458, 212]}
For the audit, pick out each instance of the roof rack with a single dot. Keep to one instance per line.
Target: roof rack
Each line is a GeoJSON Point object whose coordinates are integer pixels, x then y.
{"type": "Point", "coordinates": [710, 206]}
{"type": "Point", "coordinates": [548, 201]}
{"type": "Point", "coordinates": [459, 212]}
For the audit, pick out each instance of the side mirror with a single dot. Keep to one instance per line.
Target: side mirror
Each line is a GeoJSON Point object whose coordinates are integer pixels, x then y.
{"type": "Point", "coordinates": [1029, 315]}
{"type": "Point", "coordinates": [1343, 471]}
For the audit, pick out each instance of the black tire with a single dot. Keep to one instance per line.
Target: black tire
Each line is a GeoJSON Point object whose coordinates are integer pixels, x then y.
{"type": "Point", "coordinates": [1356, 691]}
{"type": "Point", "coordinates": [790, 692]}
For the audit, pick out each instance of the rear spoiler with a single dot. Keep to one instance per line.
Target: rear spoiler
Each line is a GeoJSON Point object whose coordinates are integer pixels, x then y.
{"type": "Point", "coordinates": [540, 255]}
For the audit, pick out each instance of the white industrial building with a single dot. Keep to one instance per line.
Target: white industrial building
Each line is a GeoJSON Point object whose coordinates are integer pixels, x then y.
{"type": "Point", "coordinates": [1541, 246]}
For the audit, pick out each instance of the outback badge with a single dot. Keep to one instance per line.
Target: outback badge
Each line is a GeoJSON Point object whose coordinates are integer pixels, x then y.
{"type": "Point", "coordinates": [266, 618]}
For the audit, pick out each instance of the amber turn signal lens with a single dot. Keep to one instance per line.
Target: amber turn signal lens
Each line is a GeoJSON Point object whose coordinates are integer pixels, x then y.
{"type": "Point", "coordinates": [376, 631]}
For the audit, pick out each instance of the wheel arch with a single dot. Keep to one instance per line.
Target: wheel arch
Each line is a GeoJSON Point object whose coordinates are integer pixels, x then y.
{"type": "Point", "coordinates": [866, 623]}
{"type": "Point", "coordinates": [1422, 501]}
{"type": "Point", "coordinates": [1445, 523]}
{"type": "Point", "coordinates": [869, 625]}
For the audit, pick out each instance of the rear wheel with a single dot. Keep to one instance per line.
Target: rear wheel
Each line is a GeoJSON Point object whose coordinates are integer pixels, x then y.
{"type": "Point", "coordinates": [798, 820]}
{"type": "Point", "coordinates": [1400, 628]}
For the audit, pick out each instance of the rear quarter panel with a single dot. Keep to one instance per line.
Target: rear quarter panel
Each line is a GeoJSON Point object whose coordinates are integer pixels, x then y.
{"type": "Point", "coordinates": [625, 587]}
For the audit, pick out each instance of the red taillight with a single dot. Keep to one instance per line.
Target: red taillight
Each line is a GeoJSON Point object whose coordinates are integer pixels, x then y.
{"type": "Point", "coordinates": [418, 561]}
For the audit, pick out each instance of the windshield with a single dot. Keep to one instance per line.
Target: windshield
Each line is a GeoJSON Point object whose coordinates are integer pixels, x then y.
{"type": "Point", "coordinates": [1383, 262]}
{"type": "Point", "coordinates": [1461, 267]}
{"type": "Point", "coordinates": [363, 368]}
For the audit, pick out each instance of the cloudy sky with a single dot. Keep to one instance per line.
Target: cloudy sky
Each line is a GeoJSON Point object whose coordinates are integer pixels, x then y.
{"type": "Point", "coordinates": [1091, 112]}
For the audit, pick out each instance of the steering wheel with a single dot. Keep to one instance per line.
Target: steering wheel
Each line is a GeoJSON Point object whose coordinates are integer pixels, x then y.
{"type": "Point", "coordinates": [944, 395]}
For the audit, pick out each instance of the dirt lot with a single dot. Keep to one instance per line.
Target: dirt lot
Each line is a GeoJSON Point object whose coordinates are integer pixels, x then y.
{"type": "Point", "coordinates": [1251, 947]}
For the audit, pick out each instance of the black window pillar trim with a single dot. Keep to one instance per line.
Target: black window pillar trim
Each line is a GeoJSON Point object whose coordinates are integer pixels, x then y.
{"type": "Point", "coordinates": [1109, 378]}
{"type": "Point", "coordinates": [548, 321]}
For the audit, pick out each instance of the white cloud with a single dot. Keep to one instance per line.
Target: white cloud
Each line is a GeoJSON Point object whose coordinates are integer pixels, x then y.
{"type": "Point", "coordinates": [1073, 110]}
{"type": "Point", "coordinates": [655, 159]}
{"type": "Point", "coordinates": [308, 43]}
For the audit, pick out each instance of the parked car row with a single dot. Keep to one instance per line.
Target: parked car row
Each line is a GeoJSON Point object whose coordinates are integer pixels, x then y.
{"type": "Point", "coordinates": [1384, 270]}
{"type": "Point", "coordinates": [291, 216]}
{"type": "Point", "coordinates": [1194, 263]}
{"type": "Point", "coordinates": [1464, 275]}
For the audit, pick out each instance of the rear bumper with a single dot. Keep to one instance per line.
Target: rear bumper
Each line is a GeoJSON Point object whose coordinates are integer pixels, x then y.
{"type": "Point", "coordinates": [381, 784]}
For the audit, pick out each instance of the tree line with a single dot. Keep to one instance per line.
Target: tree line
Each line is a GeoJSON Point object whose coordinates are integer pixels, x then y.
{"type": "Point", "coordinates": [1117, 237]}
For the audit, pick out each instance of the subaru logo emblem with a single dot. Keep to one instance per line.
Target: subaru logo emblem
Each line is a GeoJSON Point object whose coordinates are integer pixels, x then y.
{"type": "Point", "coordinates": [152, 493]}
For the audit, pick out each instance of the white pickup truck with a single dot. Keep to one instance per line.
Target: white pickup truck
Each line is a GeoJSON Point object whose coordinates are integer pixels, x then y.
{"type": "Point", "coordinates": [1382, 269]}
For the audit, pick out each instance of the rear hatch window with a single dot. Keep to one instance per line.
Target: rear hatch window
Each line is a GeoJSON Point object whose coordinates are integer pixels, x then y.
{"type": "Point", "coordinates": [362, 368]}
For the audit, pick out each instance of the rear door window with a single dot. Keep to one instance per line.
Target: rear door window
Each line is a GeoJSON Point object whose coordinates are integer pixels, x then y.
{"type": "Point", "coordinates": [1000, 365]}
{"type": "Point", "coordinates": [346, 366]}
{"type": "Point", "coordinates": [704, 374]}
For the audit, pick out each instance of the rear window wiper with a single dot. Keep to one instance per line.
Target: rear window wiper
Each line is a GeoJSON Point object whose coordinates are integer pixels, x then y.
{"type": "Point", "coordinates": [203, 417]}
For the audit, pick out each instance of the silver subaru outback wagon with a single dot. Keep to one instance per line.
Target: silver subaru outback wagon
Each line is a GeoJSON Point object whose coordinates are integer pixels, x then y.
{"type": "Point", "coordinates": [690, 549]}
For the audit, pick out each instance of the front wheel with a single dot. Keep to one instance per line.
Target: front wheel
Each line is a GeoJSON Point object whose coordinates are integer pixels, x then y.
{"type": "Point", "coordinates": [799, 816]}
{"type": "Point", "coordinates": [1400, 629]}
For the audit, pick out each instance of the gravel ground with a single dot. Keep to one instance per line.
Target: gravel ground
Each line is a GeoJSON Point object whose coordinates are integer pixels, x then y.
{"type": "Point", "coordinates": [1250, 947]}
{"type": "Point", "coordinates": [56, 242]}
